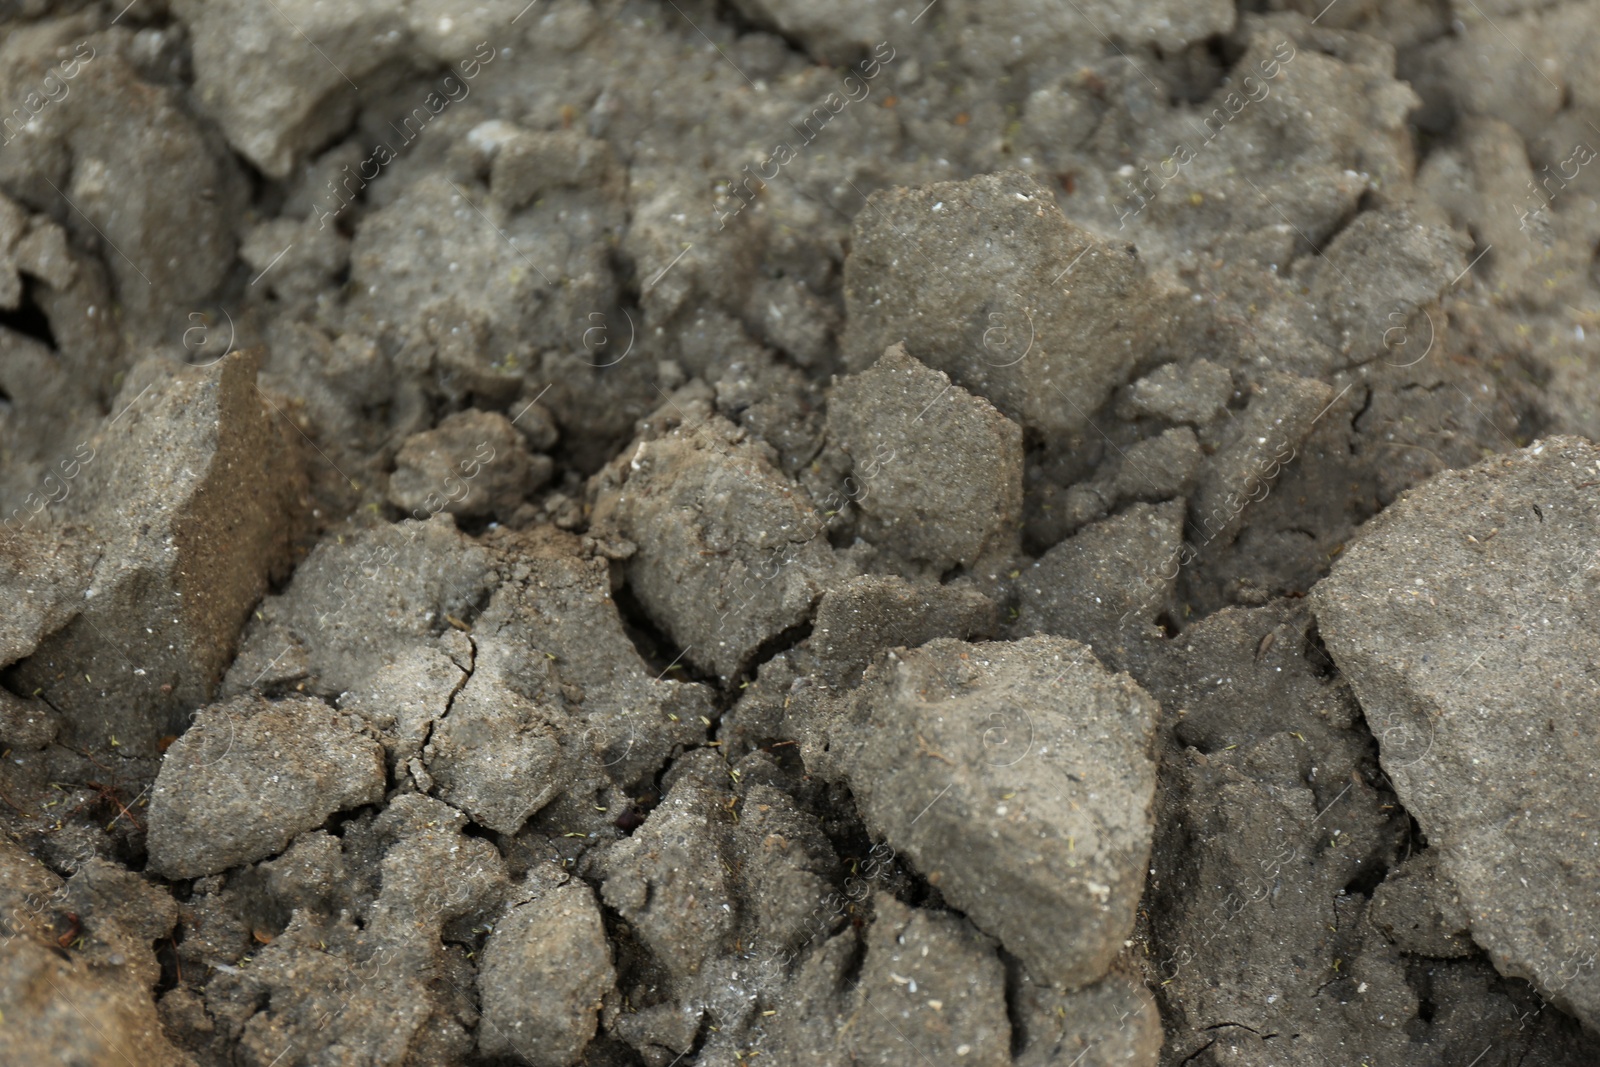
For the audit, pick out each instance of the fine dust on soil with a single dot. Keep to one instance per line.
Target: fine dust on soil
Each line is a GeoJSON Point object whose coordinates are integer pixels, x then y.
{"type": "Point", "coordinates": [623, 532]}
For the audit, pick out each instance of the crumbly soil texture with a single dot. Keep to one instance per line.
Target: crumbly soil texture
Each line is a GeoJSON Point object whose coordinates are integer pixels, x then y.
{"type": "Point", "coordinates": [659, 532]}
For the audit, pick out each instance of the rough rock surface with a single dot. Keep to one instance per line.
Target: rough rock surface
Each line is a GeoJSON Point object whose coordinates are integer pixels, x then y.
{"type": "Point", "coordinates": [1464, 618]}
{"type": "Point", "coordinates": [274, 121]}
{"type": "Point", "coordinates": [357, 602]}
{"type": "Point", "coordinates": [421, 887]}
{"type": "Point", "coordinates": [1269, 270]}
{"type": "Point", "coordinates": [118, 157]}
{"type": "Point", "coordinates": [623, 719]}
{"type": "Point", "coordinates": [94, 1008]}
{"type": "Point", "coordinates": [832, 32]}
{"type": "Point", "coordinates": [1113, 1023]}
{"type": "Point", "coordinates": [730, 551]}
{"type": "Point", "coordinates": [865, 615]}
{"type": "Point", "coordinates": [907, 996]}
{"type": "Point", "coordinates": [1419, 909]}
{"type": "Point", "coordinates": [545, 969]}
{"type": "Point", "coordinates": [1153, 470]}
{"type": "Point", "coordinates": [189, 506]}
{"type": "Point", "coordinates": [1196, 393]}
{"type": "Point", "coordinates": [39, 580]}
{"type": "Point", "coordinates": [521, 281]}
{"type": "Point", "coordinates": [495, 751]}
{"type": "Point", "coordinates": [671, 881]}
{"type": "Point", "coordinates": [1273, 815]}
{"type": "Point", "coordinates": [1018, 777]}
{"type": "Point", "coordinates": [1044, 321]}
{"type": "Point", "coordinates": [68, 1013]}
{"type": "Point", "coordinates": [1108, 584]}
{"type": "Point", "coordinates": [473, 464]}
{"type": "Point", "coordinates": [941, 469]}
{"type": "Point", "coordinates": [250, 775]}
{"type": "Point", "coordinates": [1281, 413]}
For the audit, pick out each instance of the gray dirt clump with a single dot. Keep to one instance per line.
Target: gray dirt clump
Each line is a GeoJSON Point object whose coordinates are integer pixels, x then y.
{"type": "Point", "coordinates": [1419, 908]}
{"type": "Point", "coordinates": [545, 969]}
{"type": "Point", "coordinates": [672, 881]}
{"type": "Point", "coordinates": [37, 580]}
{"type": "Point", "coordinates": [143, 174]}
{"type": "Point", "coordinates": [358, 602]}
{"type": "Point", "coordinates": [250, 775]}
{"type": "Point", "coordinates": [788, 865]}
{"type": "Point", "coordinates": [622, 720]}
{"type": "Point", "coordinates": [74, 1014]}
{"type": "Point", "coordinates": [1108, 584]}
{"type": "Point", "coordinates": [1463, 617]}
{"type": "Point", "coordinates": [1281, 412]}
{"type": "Point", "coordinates": [420, 889]}
{"type": "Point", "coordinates": [1018, 778]}
{"type": "Point", "coordinates": [27, 724]}
{"type": "Point", "coordinates": [96, 1009]}
{"type": "Point", "coordinates": [938, 982]}
{"type": "Point", "coordinates": [1154, 470]}
{"type": "Point", "coordinates": [987, 281]}
{"type": "Point", "coordinates": [1271, 806]}
{"type": "Point", "coordinates": [473, 464]}
{"type": "Point", "coordinates": [941, 469]}
{"type": "Point", "coordinates": [275, 116]}
{"type": "Point", "coordinates": [863, 616]}
{"type": "Point", "coordinates": [1196, 392]}
{"type": "Point", "coordinates": [521, 280]}
{"type": "Point", "coordinates": [601, 532]}
{"type": "Point", "coordinates": [731, 552]}
{"type": "Point", "coordinates": [1112, 1023]}
{"type": "Point", "coordinates": [495, 751]}
{"type": "Point", "coordinates": [190, 504]}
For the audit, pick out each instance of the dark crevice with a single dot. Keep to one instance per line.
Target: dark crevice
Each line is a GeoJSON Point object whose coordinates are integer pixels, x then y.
{"type": "Point", "coordinates": [264, 194]}
{"type": "Point", "coordinates": [474, 526]}
{"type": "Point", "coordinates": [645, 801]}
{"type": "Point", "coordinates": [1371, 876]}
{"type": "Point", "coordinates": [1416, 840]}
{"type": "Point", "coordinates": [633, 814]}
{"type": "Point", "coordinates": [1317, 252]}
{"type": "Point", "coordinates": [850, 974]}
{"type": "Point", "coordinates": [28, 318]}
{"type": "Point", "coordinates": [1016, 1014]}
{"type": "Point", "coordinates": [1201, 69]}
{"type": "Point", "coordinates": [166, 953]}
{"type": "Point", "coordinates": [147, 16]}
{"type": "Point", "coordinates": [1239, 399]}
{"type": "Point", "coordinates": [741, 24]}
{"type": "Point", "coordinates": [1316, 653]}
{"type": "Point", "coordinates": [637, 971]}
{"type": "Point", "coordinates": [772, 647]}
{"type": "Point", "coordinates": [1240, 1026]}
{"type": "Point", "coordinates": [8, 682]}
{"type": "Point", "coordinates": [1420, 978]}
{"type": "Point", "coordinates": [661, 655]}
{"type": "Point", "coordinates": [335, 823]}
{"type": "Point", "coordinates": [1428, 140]}
{"type": "Point", "coordinates": [450, 701]}
{"type": "Point", "coordinates": [1171, 625]}
{"type": "Point", "coordinates": [1355, 429]}
{"type": "Point", "coordinates": [1335, 980]}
